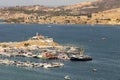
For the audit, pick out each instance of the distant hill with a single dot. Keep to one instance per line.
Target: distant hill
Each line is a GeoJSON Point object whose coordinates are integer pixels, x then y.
{"type": "Point", "coordinates": [97, 12]}
{"type": "Point", "coordinates": [76, 9]}
{"type": "Point", "coordinates": [107, 4]}
{"type": "Point", "coordinates": [103, 5]}
{"type": "Point", "coordinates": [92, 7]}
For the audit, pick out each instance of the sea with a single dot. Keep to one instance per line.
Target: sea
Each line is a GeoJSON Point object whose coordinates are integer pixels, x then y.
{"type": "Point", "coordinates": [101, 42]}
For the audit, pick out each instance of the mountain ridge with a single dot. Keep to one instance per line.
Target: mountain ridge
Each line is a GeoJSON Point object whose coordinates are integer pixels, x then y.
{"type": "Point", "coordinates": [83, 8]}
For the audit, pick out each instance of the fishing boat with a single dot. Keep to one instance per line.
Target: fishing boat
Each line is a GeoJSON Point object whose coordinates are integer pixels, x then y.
{"type": "Point", "coordinates": [80, 56]}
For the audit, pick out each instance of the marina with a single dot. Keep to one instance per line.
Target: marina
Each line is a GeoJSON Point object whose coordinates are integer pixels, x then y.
{"type": "Point", "coordinates": [41, 50]}
{"type": "Point", "coordinates": [46, 52]}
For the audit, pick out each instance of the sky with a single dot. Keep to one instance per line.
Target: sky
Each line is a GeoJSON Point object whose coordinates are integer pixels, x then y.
{"type": "Point", "coordinates": [40, 2]}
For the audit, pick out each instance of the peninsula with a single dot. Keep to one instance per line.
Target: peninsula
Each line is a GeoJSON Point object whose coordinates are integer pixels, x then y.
{"type": "Point", "coordinates": [97, 12]}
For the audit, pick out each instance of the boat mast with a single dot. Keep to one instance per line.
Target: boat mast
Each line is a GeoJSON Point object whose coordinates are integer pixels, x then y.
{"type": "Point", "coordinates": [37, 34]}
{"type": "Point", "coordinates": [81, 51]}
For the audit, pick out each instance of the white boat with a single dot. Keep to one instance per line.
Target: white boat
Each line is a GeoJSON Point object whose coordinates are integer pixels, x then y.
{"type": "Point", "coordinates": [67, 77]}
{"type": "Point", "coordinates": [48, 66]}
{"type": "Point", "coordinates": [53, 65]}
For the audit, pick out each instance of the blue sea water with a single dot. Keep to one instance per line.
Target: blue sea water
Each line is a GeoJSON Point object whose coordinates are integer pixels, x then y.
{"type": "Point", "coordinates": [102, 42]}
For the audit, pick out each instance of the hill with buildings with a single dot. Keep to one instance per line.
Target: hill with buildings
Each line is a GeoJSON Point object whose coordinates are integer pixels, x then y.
{"type": "Point", "coordinates": [81, 13]}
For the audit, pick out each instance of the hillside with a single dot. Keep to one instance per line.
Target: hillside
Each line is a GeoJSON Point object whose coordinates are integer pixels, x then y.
{"type": "Point", "coordinates": [81, 13]}
{"type": "Point", "coordinates": [92, 7]}
{"type": "Point", "coordinates": [111, 16]}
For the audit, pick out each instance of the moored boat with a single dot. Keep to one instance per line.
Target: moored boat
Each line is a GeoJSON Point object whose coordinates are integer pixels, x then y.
{"type": "Point", "coordinates": [81, 58]}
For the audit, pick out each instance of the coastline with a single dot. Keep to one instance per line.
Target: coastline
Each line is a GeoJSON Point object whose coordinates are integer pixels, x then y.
{"type": "Point", "coordinates": [45, 23]}
{"type": "Point", "coordinates": [62, 24]}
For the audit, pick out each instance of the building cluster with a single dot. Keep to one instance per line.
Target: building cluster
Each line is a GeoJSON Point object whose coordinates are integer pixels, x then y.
{"type": "Point", "coordinates": [105, 17]}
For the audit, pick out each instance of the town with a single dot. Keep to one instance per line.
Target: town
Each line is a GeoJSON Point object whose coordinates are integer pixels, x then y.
{"type": "Point", "coordinates": [82, 13]}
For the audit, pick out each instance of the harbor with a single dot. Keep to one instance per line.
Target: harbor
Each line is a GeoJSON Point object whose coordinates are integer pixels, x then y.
{"type": "Point", "coordinates": [40, 47]}
{"type": "Point", "coordinates": [104, 52]}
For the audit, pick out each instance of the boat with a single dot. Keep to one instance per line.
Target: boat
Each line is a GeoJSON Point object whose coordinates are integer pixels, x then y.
{"type": "Point", "coordinates": [67, 77]}
{"type": "Point", "coordinates": [55, 64]}
{"type": "Point", "coordinates": [81, 58]}
{"type": "Point", "coordinates": [48, 66]}
{"type": "Point", "coordinates": [94, 70]}
{"type": "Point", "coordinates": [52, 65]}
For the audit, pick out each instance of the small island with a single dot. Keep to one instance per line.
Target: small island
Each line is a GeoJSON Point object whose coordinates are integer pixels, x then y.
{"type": "Point", "coordinates": [40, 47]}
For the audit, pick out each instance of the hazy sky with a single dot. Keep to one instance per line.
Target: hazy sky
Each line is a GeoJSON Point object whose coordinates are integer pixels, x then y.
{"type": "Point", "coordinates": [40, 2]}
